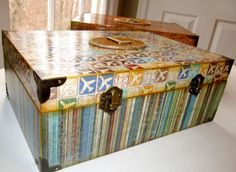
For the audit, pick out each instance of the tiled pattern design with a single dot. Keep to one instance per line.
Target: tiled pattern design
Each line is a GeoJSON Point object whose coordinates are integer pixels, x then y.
{"type": "Point", "coordinates": [163, 65]}
{"type": "Point", "coordinates": [86, 90]}
{"type": "Point", "coordinates": [79, 134]}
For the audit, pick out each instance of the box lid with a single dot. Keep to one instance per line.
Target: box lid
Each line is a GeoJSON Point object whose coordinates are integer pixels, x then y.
{"type": "Point", "coordinates": [61, 69]}
{"type": "Point", "coordinates": [113, 22]}
{"type": "Point", "coordinates": [106, 22]}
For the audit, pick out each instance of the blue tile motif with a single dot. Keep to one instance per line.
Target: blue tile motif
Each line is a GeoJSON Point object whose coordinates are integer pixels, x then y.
{"type": "Point", "coordinates": [137, 60]}
{"type": "Point", "coordinates": [150, 59]}
{"type": "Point", "coordinates": [194, 70]}
{"type": "Point", "coordinates": [105, 82]}
{"type": "Point", "coordinates": [184, 72]}
{"type": "Point", "coordinates": [87, 85]}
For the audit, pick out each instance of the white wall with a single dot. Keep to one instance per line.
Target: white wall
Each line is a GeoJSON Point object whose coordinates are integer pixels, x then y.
{"type": "Point", "coordinates": [215, 22]}
{"type": "Point", "coordinates": [113, 7]}
{"type": "Point", "coordinates": [4, 24]}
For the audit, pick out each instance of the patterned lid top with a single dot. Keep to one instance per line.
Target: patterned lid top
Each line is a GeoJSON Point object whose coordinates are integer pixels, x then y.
{"type": "Point", "coordinates": [68, 53]}
{"type": "Point", "coordinates": [163, 65]}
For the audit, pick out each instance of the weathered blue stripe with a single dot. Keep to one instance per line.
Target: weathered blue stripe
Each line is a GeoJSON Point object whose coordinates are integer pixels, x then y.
{"type": "Point", "coordinates": [87, 124]}
{"type": "Point", "coordinates": [188, 111]}
{"type": "Point", "coordinates": [162, 97]}
{"type": "Point", "coordinates": [45, 138]}
{"type": "Point", "coordinates": [149, 122]}
{"type": "Point", "coordinates": [165, 112]}
{"type": "Point", "coordinates": [146, 118]}
{"type": "Point", "coordinates": [135, 121]}
{"type": "Point", "coordinates": [56, 139]}
{"type": "Point", "coordinates": [79, 116]}
{"type": "Point", "coordinates": [50, 140]}
{"type": "Point", "coordinates": [120, 126]}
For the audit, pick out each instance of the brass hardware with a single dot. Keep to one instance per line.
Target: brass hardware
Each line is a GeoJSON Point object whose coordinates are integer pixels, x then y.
{"type": "Point", "coordinates": [119, 40]}
{"type": "Point", "coordinates": [196, 84]}
{"type": "Point", "coordinates": [111, 99]}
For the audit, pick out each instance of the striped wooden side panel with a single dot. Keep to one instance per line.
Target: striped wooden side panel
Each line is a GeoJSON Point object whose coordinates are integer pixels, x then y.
{"type": "Point", "coordinates": [25, 111]}
{"type": "Point", "coordinates": [76, 135]}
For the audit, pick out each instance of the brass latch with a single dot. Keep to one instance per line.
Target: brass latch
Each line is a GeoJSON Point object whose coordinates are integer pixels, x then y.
{"type": "Point", "coordinates": [111, 99]}
{"type": "Point", "coordinates": [196, 84]}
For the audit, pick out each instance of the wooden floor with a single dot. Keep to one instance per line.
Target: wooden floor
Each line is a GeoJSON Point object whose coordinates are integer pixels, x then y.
{"type": "Point", "coordinates": [207, 148]}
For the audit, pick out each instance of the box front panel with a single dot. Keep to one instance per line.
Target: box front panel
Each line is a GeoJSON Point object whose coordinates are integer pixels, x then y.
{"type": "Point", "coordinates": [79, 134]}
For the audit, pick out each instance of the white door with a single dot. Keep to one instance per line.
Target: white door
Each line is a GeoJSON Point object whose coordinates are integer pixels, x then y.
{"type": "Point", "coordinates": [213, 20]}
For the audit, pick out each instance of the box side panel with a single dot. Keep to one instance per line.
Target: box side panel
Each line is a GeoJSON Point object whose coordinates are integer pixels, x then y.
{"type": "Point", "coordinates": [79, 134]}
{"type": "Point", "coordinates": [25, 111]}
{"type": "Point", "coordinates": [21, 68]}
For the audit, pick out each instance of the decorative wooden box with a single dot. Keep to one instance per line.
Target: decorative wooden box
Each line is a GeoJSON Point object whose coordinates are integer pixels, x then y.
{"type": "Point", "coordinates": [75, 101]}
{"type": "Point", "coordinates": [105, 22]}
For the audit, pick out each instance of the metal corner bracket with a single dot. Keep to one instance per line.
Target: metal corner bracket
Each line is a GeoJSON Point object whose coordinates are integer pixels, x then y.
{"type": "Point", "coordinates": [44, 165]}
{"type": "Point", "coordinates": [44, 86]}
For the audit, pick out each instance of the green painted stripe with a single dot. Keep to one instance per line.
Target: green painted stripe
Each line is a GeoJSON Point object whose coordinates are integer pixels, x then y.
{"type": "Point", "coordinates": [97, 132]}
{"type": "Point", "coordinates": [146, 120]}
{"type": "Point", "coordinates": [120, 126]}
{"type": "Point", "coordinates": [152, 111]}
{"type": "Point", "coordinates": [125, 124]}
{"type": "Point", "coordinates": [142, 121]}
{"type": "Point", "coordinates": [199, 103]}
{"type": "Point", "coordinates": [201, 113]}
{"type": "Point", "coordinates": [217, 99]}
{"type": "Point", "coordinates": [104, 134]}
{"type": "Point", "coordinates": [136, 119]}
{"type": "Point", "coordinates": [176, 111]}
{"type": "Point", "coordinates": [211, 98]}
{"type": "Point", "coordinates": [165, 112]}
{"type": "Point", "coordinates": [171, 112]}
{"type": "Point", "coordinates": [161, 101]}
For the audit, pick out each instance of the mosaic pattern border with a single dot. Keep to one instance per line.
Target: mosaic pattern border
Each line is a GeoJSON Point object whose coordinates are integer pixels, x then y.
{"type": "Point", "coordinates": [86, 90]}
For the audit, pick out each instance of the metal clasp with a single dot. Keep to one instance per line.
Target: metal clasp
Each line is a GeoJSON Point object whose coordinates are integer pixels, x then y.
{"type": "Point", "coordinates": [111, 99]}
{"type": "Point", "coordinates": [196, 84]}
